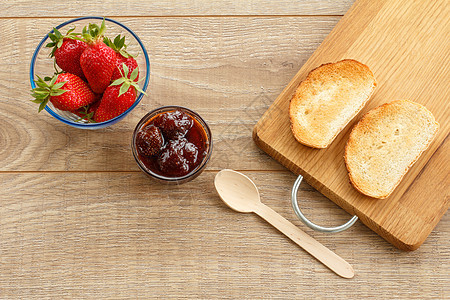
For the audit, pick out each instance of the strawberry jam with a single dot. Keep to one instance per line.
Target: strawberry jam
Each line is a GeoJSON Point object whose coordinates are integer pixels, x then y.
{"type": "Point", "coordinates": [172, 143]}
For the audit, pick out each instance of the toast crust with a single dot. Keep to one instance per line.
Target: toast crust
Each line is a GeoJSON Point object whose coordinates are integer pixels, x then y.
{"type": "Point", "coordinates": [328, 99]}
{"type": "Point", "coordinates": [366, 125]}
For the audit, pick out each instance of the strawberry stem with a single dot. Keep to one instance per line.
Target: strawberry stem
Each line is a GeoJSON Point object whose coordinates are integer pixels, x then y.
{"type": "Point", "coordinates": [92, 32]}
{"type": "Point", "coordinates": [57, 72]}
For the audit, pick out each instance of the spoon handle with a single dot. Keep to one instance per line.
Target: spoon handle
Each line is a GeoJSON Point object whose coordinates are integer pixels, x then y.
{"type": "Point", "coordinates": [330, 259]}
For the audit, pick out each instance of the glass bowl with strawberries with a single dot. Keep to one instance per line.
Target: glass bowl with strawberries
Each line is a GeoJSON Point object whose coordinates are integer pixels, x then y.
{"type": "Point", "coordinates": [172, 144]}
{"type": "Point", "coordinates": [89, 72]}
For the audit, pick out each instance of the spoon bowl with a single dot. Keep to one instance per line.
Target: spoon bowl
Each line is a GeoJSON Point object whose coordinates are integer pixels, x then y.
{"type": "Point", "coordinates": [237, 191]}
{"type": "Point", "coordinates": [241, 194]}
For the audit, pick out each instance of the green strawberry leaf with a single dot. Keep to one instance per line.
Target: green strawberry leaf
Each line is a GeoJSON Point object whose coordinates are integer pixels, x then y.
{"type": "Point", "coordinates": [85, 115]}
{"type": "Point", "coordinates": [40, 82]}
{"type": "Point", "coordinates": [53, 37]}
{"type": "Point", "coordinates": [52, 82]}
{"type": "Point", "coordinates": [57, 33]}
{"type": "Point", "coordinates": [121, 43]}
{"type": "Point", "coordinates": [124, 88]}
{"type": "Point", "coordinates": [102, 28]}
{"type": "Point", "coordinates": [43, 104]}
{"type": "Point", "coordinates": [134, 74]}
{"type": "Point", "coordinates": [57, 92]}
{"type": "Point", "coordinates": [39, 90]}
{"type": "Point", "coordinates": [93, 32]}
{"type": "Point", "coordinates": [41, 85]}
{"type": "Point", "coordinates": [76, 37]}
{"type": "Point", "coordinates": [136, 85]}
{"type": "Point", "coordinates": [44, 90]}
{"type": "Point", "coordinates": [39, 98]}
{"type": "Point", "coordinates": [108, 42]}
{"type": "Point", "coordinates": [118, 45]}
{"type": "Point", "coordinates": [59, 85]}
{"type": "Point", "coordinates": [138, 88]}
{"type": "Point", "coordinates": [125, 53]}
{"type": "Point", "coordinates": [127, 82]}
{"type": "Point", "coordinates": [125, 70]}
{"type": "Point", "coordinates": [118, 81]}
{"type": "Point", "coordinates": [117, 40]}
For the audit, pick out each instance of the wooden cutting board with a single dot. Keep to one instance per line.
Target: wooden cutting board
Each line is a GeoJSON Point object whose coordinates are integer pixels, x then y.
{"type": "Point", "coordinates": [406, 45]}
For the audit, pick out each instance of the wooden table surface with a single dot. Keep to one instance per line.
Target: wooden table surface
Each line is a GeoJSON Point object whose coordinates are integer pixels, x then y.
{"type": "Point", "coordinates": [78, 219]}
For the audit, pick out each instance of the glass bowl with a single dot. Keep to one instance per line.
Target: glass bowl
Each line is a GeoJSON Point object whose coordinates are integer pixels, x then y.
{"type": "Point", "coordinates": [42, 65]}
{"type": "Point", "coordinates": [193, 173]}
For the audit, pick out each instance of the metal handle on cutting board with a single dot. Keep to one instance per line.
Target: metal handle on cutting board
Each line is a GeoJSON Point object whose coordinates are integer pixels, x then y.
{"type": "Point", "coordinates": [307, 222]}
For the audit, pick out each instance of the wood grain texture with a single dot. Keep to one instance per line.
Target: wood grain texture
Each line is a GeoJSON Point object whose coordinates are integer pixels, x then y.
{"type": "Point", "coordinates": [136, 8]}
{"type": "Point", "coordinates": [393, 39]}
{"type": "Point", "coordinates": [240, 193]}
{"type": "Point", "coordinates": [60, 239]}
{"type": "Point", "coordinates": [79, 220]}
{"type": "Point", "coordinates": [228, 70]}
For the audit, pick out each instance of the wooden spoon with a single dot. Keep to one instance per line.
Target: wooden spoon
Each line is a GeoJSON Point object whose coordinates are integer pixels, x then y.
{"type": "Point", "coordinates": [241, 194]}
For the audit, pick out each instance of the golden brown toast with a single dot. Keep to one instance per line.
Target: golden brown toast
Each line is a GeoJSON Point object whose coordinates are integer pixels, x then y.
{"type": "Point", "coordinates": [384, 145]}
{"type": "Point", "coordinates": [328, 99]}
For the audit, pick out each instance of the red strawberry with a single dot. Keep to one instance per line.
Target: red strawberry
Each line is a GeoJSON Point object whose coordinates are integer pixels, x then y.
{"type": "Point", "coordinates": [66, 92]}
{"type": "Point", "coordinates": [112, 104]}
{"type": "Point", "coordinates": [149, 140]}
{"type": "Point", "coordinates": [118, 97]}
{"type": "Point", "coordinates": [174, 123]}
{"type": "Point", "coordinates": [172, 159]}
{"type": "Point", "coordinates": [67, 51]}
{"type": "Point", "coordinates": [98, 60]}
{"type": "Point", "coordinates": [68, 56]}
{"type": "Point", "coordinates": [123, 57]}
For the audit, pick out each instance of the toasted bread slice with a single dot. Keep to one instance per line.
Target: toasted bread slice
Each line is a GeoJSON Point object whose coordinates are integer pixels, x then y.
{"type": "Point", "coordinates": [326, 101]}
{"type": "Point", "coordinates": [385, 143]}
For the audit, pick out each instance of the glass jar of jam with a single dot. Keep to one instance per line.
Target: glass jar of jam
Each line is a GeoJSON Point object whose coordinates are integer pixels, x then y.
{"type": "Point", "coordinates": [172, 144]}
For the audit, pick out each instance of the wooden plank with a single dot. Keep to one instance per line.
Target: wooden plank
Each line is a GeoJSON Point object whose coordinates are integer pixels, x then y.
{"type": "Point", "coordinates": [53, 8]}
{"type": "Point", "coordinates": [122, 235]}
{"type": "Point", "coordinates": [391, 38]}
{"type": "Point", "coordinates": [60, 238]}
{"type": "Point", "coordinates": [227, 69]}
